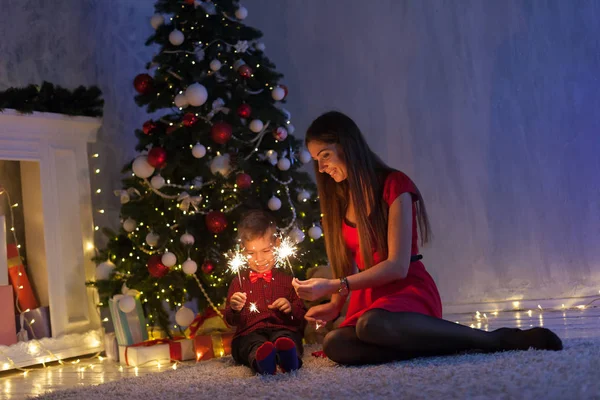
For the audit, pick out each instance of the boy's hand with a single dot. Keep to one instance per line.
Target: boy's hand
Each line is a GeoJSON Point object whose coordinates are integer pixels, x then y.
{"type": "Point", "coordinates": [282, 304]}
{"type": "Point", "coordinates": [238, 301]}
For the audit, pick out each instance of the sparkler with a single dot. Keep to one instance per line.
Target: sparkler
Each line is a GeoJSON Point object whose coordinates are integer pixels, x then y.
{"type": "Point", "coordinates": [284, 251]}
{"type": "Point", "coordinates": [253, 308]}
{"type": "Point", "coordinates": [236, 262]}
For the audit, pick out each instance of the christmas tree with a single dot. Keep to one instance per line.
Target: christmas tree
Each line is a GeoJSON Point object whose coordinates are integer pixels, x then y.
{"type": "Point", "coordinates": [223, 145]}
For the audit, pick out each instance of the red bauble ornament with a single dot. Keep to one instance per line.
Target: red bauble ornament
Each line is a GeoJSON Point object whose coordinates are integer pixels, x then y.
{"type": "Point", "coordinates": [244, 110]}
{"type": "Point", "coordinates": [245, 71]}
{"type": "Point", "coordinates": [143, 84]}
{"type": "Point", "coordinates": [157, 157]}
{"type": "Point", "coordinates": [243, 180]}
{"type": "Point", "coordinates": [155, 266]}
{"type": "Point", "coordinates": [208, 267]}
{"type": "Point", "coordinates": [220, 132]}
{"type": "Point", "coordinates": [285, 89]}
{"type": "Point", "coordinates": [189, 2]}
{"type": "Point", "coordinates": [189, 119]}
{"type": "Point", "coordinates": [280, 134]}
{"type": "Point", "coordinates": [216, 222]}
{"type": "Point", "coordinates": [149, 127]}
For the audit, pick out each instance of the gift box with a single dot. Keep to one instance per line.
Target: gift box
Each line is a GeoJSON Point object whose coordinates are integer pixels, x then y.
{"type": "Point", "coordinates": [34, 324]}
{"type": "Point", "coordinates": [111, 347]}
{"type": "Point", "coordinates": [19, 279]}
{"type": "Point", "coordinates": [130, 328]}
{"type": "Point", "coordinates": [180, 349]}
{"type": "Point", "coordinates": [214, 345]}
{"type": "Point", "coordinates": [142, 353]}
{"type": "Point", "coordinates": [8, 330]}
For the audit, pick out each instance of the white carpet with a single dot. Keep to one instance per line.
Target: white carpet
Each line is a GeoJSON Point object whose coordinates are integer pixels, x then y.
{"type": "Point", "coordinates": [573, 373]}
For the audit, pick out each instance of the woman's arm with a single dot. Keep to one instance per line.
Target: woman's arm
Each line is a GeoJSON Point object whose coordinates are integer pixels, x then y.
{"type": "Point", "coordinates": [395, 267]}
{"type": "Point", "coordinates": [399, 246]}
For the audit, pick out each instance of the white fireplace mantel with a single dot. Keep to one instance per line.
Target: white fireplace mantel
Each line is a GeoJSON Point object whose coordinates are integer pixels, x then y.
{"type": "Point", "coordinates": [59, 228]}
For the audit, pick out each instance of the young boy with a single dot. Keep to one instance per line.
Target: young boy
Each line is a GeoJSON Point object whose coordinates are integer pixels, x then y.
{"type": "Point", "coordinates": [267, 313]}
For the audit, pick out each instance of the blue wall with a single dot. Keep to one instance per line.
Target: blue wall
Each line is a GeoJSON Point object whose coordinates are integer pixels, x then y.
{"type": "Point", "coordinates": [491, 107]}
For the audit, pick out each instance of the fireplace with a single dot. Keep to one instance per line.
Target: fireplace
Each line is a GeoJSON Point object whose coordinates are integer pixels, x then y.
{"type": "Point", "coordinates": [49, 154]}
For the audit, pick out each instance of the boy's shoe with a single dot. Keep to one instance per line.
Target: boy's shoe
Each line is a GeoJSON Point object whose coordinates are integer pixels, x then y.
{"type": "Point", "coordinates": [265, 361]}
{"type": "Point", "coordinates": [287, 354]}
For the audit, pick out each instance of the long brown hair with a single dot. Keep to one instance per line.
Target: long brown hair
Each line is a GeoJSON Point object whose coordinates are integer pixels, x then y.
{"type": "Point", "coordinates": [363, 189]}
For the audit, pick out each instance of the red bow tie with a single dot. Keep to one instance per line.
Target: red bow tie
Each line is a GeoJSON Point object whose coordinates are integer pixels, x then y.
{"type": "Point", "coordinates": [254, 276]}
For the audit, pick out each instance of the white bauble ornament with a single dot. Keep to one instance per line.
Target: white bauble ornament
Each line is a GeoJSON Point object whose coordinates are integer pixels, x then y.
{"type": "Point", "coordinates": [129, 225]}
{"type": "Point", "coordinates": [176, 37]}
{"type": "Point", "coordinates": [315, 232]}
{"type": "Point", "coordinates": [291, 129]}
{"type": "Point", "coordinates": [256, 125]}
{"type": "Point", "coordinates": [104, 270]}
{"type": "Point", "coordinates": [303, 196]}
{"type": "Point", "coordinates": [296, 235]}
{"type": "Point", "coordinates": [238, 63]}
{"type": "Point", "coordinates": [168, 259]}
{"type": "Point", "coordinates": [241, 13]}
{"type": "Point", "coordinates": [127, 304]}
{"type": "Point", "coordinates": [157, 20]}
{"type": "Point", "coordinates": [196, 94]}
{"type": "Point", "coordinates": [198, 151]}
{"type": "Point", "coordinates": [284, 164]}
{"type": "Point", "coordinates": [187, 239]}
{"type": "Point", "coordinates": [215, 65]}
{"type": "Point", "coordinates": [152, 239]}
{"type": "Point", "coordinates": [157, 182]}
{"type": "Point", "coordinates": [220, 165]}
{"type": "Point", "coordinates": [277, 93]}
{"type": "Point", "coordinates": [141, 167]}
{"type": "Point", "coordinates": [184, 316]}
{"type": "Point", "coordinates": [304, 157]}
{"type": "Point", "coordinates": [181, 101]}
{"type": "Point", "coordinates": [189, 266]}
{"type": "Point", "coordinates": [274, 203]}
{"type": "Point", "coordinates": [260, 46]}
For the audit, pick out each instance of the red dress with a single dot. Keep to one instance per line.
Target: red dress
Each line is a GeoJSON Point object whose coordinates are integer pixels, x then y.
{"type": "Point", "coordinates": [415, 293]}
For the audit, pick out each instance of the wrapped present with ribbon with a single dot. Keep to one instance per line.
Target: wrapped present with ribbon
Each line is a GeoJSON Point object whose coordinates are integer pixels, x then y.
{"type": "Point", "coordinates": [111, 347]}
{"type": "Point", "coordinates": [34, 324]}
{"type": "Point", "coordinates": [212, 336]}
{"type": "Point", "coordinates": [19, 280]}
{"type": "Point", "coordinates": [217, 344]}
{"type": "Point", "coordinates": [130, 328]}
{"type": "Point", "coordinates": [179, 349]}
{"type": "Point", "coordinates": [206, 323]}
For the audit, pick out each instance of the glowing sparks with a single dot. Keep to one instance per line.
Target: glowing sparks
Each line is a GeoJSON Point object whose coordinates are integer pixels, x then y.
{"type": "Point", "coordinates": [286, 249]}
{"type": "Point", "coordinates": [253, 308]}
{"type": "Point", "coordinates": [237, 261]}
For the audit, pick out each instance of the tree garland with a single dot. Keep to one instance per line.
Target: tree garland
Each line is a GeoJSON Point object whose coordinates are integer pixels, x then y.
{"type": "Point", "coordinates": [53, 99]}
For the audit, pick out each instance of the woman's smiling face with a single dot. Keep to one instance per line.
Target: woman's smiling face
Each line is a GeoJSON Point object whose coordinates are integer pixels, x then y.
{"type": "Point", "coordinates": [329, 159]}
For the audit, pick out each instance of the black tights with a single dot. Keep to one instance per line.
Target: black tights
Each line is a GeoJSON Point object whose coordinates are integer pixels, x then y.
{"type": "Point", "coordinates": [381, 336]}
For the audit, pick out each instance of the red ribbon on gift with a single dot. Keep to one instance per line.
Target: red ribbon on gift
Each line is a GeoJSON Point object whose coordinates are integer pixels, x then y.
{"type": "Point", "coordinates": [174, 347]}
{"type": "Point", "coordinates": [199, 320]}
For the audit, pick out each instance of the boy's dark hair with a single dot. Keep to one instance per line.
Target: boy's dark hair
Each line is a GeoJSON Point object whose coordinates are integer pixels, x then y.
{"type": "Point", "coordinates": [255, 224]}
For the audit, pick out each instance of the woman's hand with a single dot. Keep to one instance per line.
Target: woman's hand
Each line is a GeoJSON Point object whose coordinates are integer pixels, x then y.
{"type": "Point", "coordinates": [322, 313]}
{"type": "Point", "coordinates": [315, 288]}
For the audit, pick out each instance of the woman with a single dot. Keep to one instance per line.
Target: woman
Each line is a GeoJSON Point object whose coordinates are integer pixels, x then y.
{"type": "Point", "coordinates": [370, 218]}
